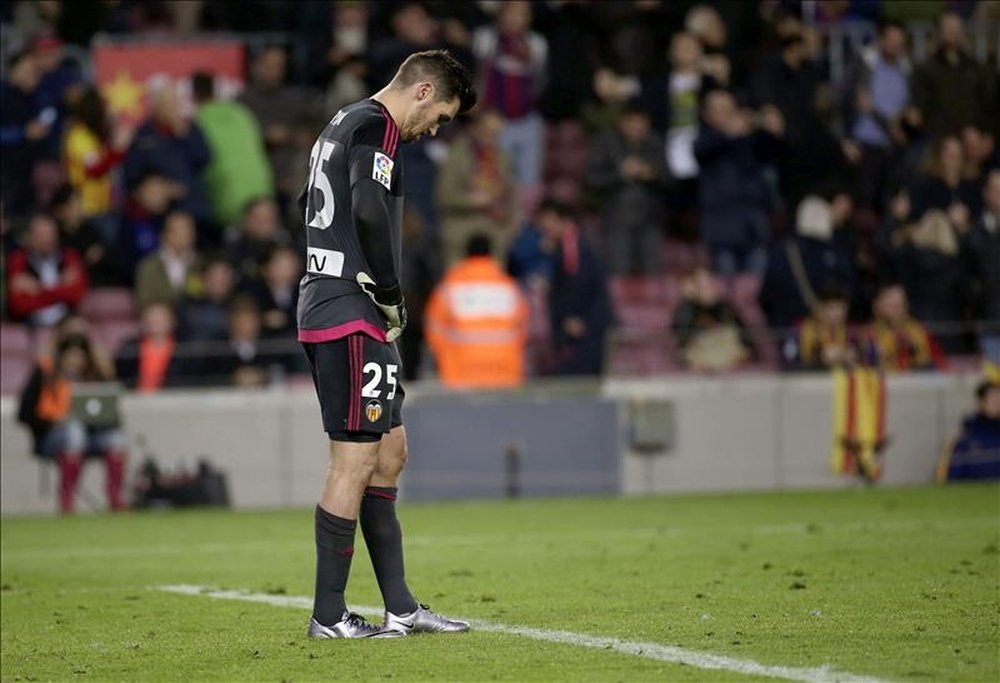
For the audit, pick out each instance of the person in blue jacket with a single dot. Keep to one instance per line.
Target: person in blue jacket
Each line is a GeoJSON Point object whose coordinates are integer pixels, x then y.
{"type": "Point", "coordinates": [975, 454]}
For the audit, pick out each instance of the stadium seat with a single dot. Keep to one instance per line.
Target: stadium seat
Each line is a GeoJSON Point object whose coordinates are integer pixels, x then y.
{"type": "Point", "coordinates": [14, 371]}
{"type": "Point", "coordinates": [108, 303]}
{"type": "Point", "coordinates": [681, 257]}
{"type": "Point", "coordinates": [644, 307]}
{"type": "Point", "coordinates": [14, 338]}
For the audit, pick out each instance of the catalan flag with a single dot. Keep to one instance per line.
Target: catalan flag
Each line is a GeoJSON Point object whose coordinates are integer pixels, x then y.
{"type": "Point", "coordinates": [859, 409]}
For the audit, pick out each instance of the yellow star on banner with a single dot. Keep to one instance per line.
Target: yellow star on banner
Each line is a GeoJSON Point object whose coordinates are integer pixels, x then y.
{"type": "Point", "coordinates": [124, 95]}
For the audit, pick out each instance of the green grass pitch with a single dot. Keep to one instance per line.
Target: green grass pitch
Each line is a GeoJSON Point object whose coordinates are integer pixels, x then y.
{"type": "Point", "coordinates": [894, 584]}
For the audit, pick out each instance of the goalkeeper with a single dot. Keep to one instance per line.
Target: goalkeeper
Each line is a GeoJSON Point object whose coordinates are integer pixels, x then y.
{"type": "Point", "coordinates": [351, 311]}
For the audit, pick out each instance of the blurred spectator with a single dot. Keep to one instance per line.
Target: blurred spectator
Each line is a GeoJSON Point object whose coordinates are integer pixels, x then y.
{"type": "Point", "coordinates": [344, 75]}
{"type": "Point", "coordinates": [894, 340]}
{"type": "Point", "coordinates": [36, 18]}
{"type": "Point", "coordinates": [277, 290]}
{"type": "Point", "coordinates": [981, 152]}
{"type": "Point", "coordinates": [100, 256]}
{"type": "Point", "coordinates": [477, 322]}
{"type": "Point", "coordinates": [877, 93]}
{"type": "Point", "coordinates": [823, 340]}
{"type": "Point", "coordinates": [674, 104]}
{"type": "Point", "coordinates": [946, 185]}
{"type": "Point", "coordinates": [284, 113]}
{"type": "Point", "coordinates": [704, 23]}
{"type": "Point", "coordinates": [805, 263]}
{"type": "Point", "coordinates": [149, 202]}
{"type": "Point", "coordinates": [512, 60]}
{"type": "Point", "coordinates": [421, 269]}
{"type": "Point", "coordinates": [951, 89]}
{"type": "Point", "coordinates": [22, 127]}
{"type": "Point", "coordinates": [258, 233]}
{"type": "Point", "coordinates": [626, 167]}
{"type": "Point", "coordinates": [708, 332]}
{"type": "Point", "coordinates": [44, 279]}
{"type": "Point", "coordinates": [172, 271]}
{"type": "Point", "coordinates": [239, 170]}
{"type": "Point", "coordinates": [149, 362]}
{"type": "Point", "coordinates": [346, 84]}
{"type": "Point", "coordinates": [788, 81]}
{"type": "Point", "coordinates": [91, 151]}
{"type": "Point", "coordinates": [983, 251]}
{"type": "Point", "coordinates": [413, 29]}
{"type": "Point", "coordinates": [60, 85]}
{"type": "Point", "coordinates": [205, 316]}
{"type": "Point", "coordinates": [927, 261]}
{"type": "Point", "coordinates": [475, 190]}
{"type": "Point", "coordinates": [820, 162]}
{"type": "Point", "coordinates": [570, 29]}
{"type": "Point", "coordinates": [169, 145]}
{"type": "Point", "coordinates": [579, 304]}
{"type": "Point", "coordinates": [975, 453]}
{"type": "Point", "coordinates": [246, 358]}
{"type": "Point", "coordinates": [733, 195]}
{"type": "Point", "coordinates": [612, 94]}
{"type": "Point", "coordinates": [529, 259]}
{"type": "Point", "coordinates": [45, 408]}
{"type": "Point", "coordinates": [99, 365]}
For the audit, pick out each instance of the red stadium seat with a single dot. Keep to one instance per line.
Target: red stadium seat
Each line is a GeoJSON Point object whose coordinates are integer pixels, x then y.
{"type": "Point", "coordinates": [14, 371]}
{"type": "Point", "coordinates": [108, 303]}
{"type": "Point", "coordinates": [14, 339]}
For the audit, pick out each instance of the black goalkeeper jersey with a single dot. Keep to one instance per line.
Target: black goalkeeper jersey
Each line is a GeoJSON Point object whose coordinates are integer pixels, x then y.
{"type": "Point", "coordinates": [354, 156]}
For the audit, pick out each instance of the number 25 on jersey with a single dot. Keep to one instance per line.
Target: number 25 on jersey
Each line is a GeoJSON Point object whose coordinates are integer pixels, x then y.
{"type": "Point", "coordinates": [322, 217]}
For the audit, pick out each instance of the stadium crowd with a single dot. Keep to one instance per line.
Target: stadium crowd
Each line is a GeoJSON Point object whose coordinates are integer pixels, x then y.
{"type": "Point", "coordinates": [702, 179]}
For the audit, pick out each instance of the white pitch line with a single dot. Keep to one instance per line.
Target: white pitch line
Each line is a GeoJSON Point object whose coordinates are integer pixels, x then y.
{"type": "Point", "coordinates": [655, 651]}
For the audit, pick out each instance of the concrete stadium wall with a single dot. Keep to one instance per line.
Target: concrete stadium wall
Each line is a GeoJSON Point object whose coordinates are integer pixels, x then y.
{"type": "Point", "coordinates": [570, 438]}
{"type": "Point", "coordinates": [775, 432]}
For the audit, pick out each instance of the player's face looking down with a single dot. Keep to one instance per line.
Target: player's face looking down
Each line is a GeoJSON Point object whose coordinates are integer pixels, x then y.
{"type": "Point", "coordinates": [427, 114]}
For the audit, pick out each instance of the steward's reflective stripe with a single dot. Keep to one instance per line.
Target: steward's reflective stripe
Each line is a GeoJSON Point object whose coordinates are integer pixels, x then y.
{"type": "Point", "coordinates": [475, 336]}
{"type": "Point", "coordinates": [481, 299]}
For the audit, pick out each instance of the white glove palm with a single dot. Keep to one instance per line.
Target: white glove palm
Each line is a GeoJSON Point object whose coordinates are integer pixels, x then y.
{"type": "Point", "coordinates": [389, 301]}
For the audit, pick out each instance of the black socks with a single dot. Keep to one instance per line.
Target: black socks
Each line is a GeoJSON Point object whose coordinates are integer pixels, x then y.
{"type": "Point", "coordinates": [384, 539]}
{"type": "Point", "coordinates": [334, 550]}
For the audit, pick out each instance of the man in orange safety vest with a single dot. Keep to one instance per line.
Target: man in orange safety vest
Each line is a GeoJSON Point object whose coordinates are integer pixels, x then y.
{"type": "Point", "coordinates": [477, 322]}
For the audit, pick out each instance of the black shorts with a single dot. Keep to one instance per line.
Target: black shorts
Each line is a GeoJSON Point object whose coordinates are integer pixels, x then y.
{"type": "Point", "coordinates": [359, 384]}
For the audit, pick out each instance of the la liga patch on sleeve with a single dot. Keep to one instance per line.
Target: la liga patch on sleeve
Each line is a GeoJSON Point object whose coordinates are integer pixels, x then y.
{"type": "Point", "coordinates": [382, 170]}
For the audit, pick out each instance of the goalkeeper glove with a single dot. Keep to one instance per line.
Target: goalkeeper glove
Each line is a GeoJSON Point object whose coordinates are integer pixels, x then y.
{"type": "Point", "coordinates": [389, 300]}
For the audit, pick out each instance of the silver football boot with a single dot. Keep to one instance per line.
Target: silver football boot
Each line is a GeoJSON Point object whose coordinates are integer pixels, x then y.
{"type": "Point", "coordinates": [422, 620]}
{"type": "Point", "coordinates": [351, 625]}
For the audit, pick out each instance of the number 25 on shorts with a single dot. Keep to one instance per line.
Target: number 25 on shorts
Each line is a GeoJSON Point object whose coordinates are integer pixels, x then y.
{"type": "Point", "coordinates": [371, 387]}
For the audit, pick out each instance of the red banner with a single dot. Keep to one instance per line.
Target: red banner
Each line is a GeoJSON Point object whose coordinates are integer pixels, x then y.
{"type": "Point", "coordinates": [125, 72]}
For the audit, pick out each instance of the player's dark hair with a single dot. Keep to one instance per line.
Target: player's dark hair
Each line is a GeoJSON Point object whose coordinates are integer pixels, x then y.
{"type": "Point", "coordinates": [479, 245]}
{"type": "Point", "coordinates": [450, 77]}
{"type": "Point", "coordinates": [203, 86]}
